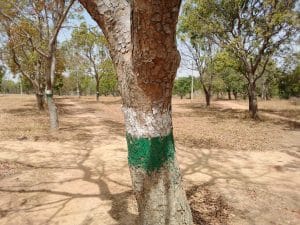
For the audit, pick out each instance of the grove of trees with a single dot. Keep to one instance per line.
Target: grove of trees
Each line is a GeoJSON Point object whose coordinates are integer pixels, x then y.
{"type": "Point", "coordinates": [251, 31]}
{"type": "Point", "coordinates": [237, 47]}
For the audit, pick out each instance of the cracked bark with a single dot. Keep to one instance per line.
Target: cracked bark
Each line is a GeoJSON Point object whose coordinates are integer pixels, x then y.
{"type": "Point", "coordinates": [142, 42]}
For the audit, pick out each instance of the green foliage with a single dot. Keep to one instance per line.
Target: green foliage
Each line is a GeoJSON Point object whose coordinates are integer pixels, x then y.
{"type": "Point", "coordinates": [289, 84]}
{"type": "Point", "coordinates": [226, 69]}
{"type": "Point", "coordinates": [26, 85]}
{"type": "Point", "coordinates": [108, 80]}
{"type": "Point", "coordinates": [87, 55]}
{"type": "Point", "coordinates": [58, 83]}
{"type": "Point", "coordinates": [182, 86]}
{"type": "Point", "coordinates": [10, 87]}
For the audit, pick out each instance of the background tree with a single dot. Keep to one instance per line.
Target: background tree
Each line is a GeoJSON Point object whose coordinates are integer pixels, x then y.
{"type": "Point", "coordinates": [108, 81]}
{"type": "Point", "coordinates": [253, 31]}
{"type": "Point", "coordinates": [229, 78]}
{"type": "Point", "coordinates": [10, 87]}
{"type": "Point", "coordinates": [22, 58]}
{"type": "Point", "coordinates": [182, 86]}
{"type": "Point", "coordinates": [289, 84]}
{"type": "Point", "coordinates": [267, 85]}
{"type": "Point", "coordinates": [141, 37]}
{"type": "Point", "coordinates": [200, 49]}
{"type": "Point", "coordinates": [77, 68]}
{"type": "Point", "coordinates": [91, 44]}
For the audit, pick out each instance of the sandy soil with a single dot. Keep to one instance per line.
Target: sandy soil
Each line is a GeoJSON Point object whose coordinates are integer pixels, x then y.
{"type": "Point", "coordinates": [235, 170]}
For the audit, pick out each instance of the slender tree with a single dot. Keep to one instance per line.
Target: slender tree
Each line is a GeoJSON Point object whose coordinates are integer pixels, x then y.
{"type": "Point", "coordinates": [91, 44]}
{"type": "Point", "coordinates": [200, 49]}
{"type": "Point", "coordinates": [142, 40]}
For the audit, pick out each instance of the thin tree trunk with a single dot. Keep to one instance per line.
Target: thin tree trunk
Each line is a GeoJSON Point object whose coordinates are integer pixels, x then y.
{"type": "Point", "coordinates": [207, 98]}
{"type": "Point", "coordinates": [21, 88]}
{"type": "Point", "coordinates": [77, 86]}
{"type": "Point", "coordinates": [229, 94]}
{"type": "Point", "coordinates": [40, 101]}
{"type": "Point", "coordinates": [235, 95]}
{"type": "Point", "coordinates": [50, 77]}
{"type": "Point", "coordinates": [264, 91]}
{"type": "Point", "coordinates": [97, 89]}
{"type": "Point", "coordinates": [52, 109]}
{"type": "Point", "coordinates": [252, 100]}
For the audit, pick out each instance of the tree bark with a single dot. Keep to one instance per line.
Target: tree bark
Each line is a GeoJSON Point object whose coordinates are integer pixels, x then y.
{"type": "Point", "coordinates": [97, 89]}
{"type": "Point", "coordinates": [52, 109]}
{"type": "Point", "coordinates": [50, 75]}
{"type": "Point", "coordinates": [235, 95]}
{"type": "Point", "coordinates": [141, 36]}
{"type": "Point", "coordinates": [264, 92]}
{"type": "Point", "coordinates": [207, 98]}
{"type": "Point", "coordinates": [252, 96]}
{"type": "Point", "coordinates": [229, 94]}
{"type": "Point", "coordinates": [77, 86]}
{"type": "Point", "coordinates": [40, 101]}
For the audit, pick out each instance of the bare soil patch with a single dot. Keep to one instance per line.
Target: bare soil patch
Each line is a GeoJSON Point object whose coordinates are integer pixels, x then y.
{"type": "Point", "coordinates": [235, 170]}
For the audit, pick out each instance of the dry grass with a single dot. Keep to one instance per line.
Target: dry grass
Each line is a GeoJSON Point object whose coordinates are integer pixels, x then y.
{"type": "Point", "coordinates": [194, 124]}
{"type": "Point", "coordinates": [240, 167]}
{"type": "Point", "coordinates": [20, 118]}
{"type": "Point", "coordinates": [285, 108]}
{"type": "Point", "coordinates": [214, 127]}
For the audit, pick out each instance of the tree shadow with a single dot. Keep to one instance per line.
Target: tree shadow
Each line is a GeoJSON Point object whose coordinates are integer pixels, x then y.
{"type": "Point", "coordinates": [78, 157]}
{"type": "Point", "coordinates": [208, 208]}
{"type": "Point", "coordinates": [119, 201]}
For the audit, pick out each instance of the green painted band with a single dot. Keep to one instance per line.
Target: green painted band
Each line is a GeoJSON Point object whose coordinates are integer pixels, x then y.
{"type": "Point", "coordinates": [150, 153]}
{"type": "Point", "coordinates": [49, 95]}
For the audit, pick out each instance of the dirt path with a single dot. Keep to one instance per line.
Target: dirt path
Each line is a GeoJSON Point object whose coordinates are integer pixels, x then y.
{"type": "Point", "coordinates": [81, 177]}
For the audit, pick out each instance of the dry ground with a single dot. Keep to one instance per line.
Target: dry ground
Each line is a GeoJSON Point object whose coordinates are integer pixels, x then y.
{"type": "Point", "coordinates": [235, 170]}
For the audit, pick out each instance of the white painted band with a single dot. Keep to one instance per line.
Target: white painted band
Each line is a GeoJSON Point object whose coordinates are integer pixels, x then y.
{"type": "Point", "coordinates": [147, 124]}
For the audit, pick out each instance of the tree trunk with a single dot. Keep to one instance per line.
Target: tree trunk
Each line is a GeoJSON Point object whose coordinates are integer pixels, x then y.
{"type": "Point", "coordinates": [207, 98]}
{"type": "Point", "coordinates": [77, 86]}
{"type": "Point", "coordinates": [97, 89]}
{"type": "Point", "coordinates": [142, 40]}
{"type": "Point", "coordinates": [229, 94]}
{"type": "Point", "coordinates": [264, 91]}
{"type": "Point", "coordinates": [252, 100]}
{"type": "Point", "coordinates": [235, 95]}
{"type": "Point", "coordinates": [40, 101]}
{"type": "Point", "coordinates": [53, 116]}
{"type": "Point", "coordinates": [50, 77]}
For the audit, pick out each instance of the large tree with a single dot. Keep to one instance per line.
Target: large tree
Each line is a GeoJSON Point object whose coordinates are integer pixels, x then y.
{"type": "Point", "coordinates": [21, 58]}
{"type": "Point", "coordinates": [142, 40]}
{"type": "Point", "coordinates": [252, 30]}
